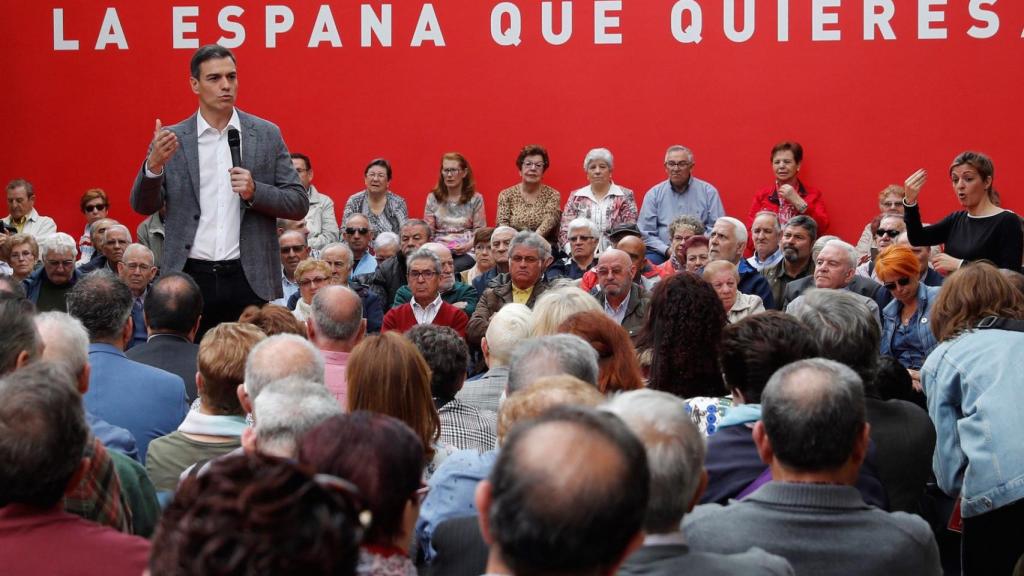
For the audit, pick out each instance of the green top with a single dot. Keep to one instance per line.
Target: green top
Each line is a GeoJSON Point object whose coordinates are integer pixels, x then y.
{"type": "Point", "coordinates": [170, 455]}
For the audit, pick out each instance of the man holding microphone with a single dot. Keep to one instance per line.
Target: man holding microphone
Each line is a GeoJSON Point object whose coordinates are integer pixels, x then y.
{"type": "Point", "coordinates": [226, 177]}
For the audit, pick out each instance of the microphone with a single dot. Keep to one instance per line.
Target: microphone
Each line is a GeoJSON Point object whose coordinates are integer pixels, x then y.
{"type": "Point", "coordinates": [234, 143]}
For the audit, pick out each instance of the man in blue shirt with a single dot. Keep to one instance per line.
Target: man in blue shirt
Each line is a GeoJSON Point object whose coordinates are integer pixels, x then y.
{"type": "Point", "coordinates": [682, 193]}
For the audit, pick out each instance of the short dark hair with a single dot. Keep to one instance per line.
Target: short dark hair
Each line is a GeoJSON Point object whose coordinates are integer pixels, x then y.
{"type": "Point", "coordinates": [103, 302]}
{"type": "Point", "coordinates": [806, 222]}
{"type": "Point", "coordinates": [19, 331]}
{"type": "Point", "coordinates": [379, 162]}
{"type": "Point", "coordinates": [543, 525]}
{"type": "Point", "coordinates": [380, 454]}
{"type": "Point", "coordinates": [304, 158]}
{"type": "Point", "coordinates": [208, 52]}
{"type": "Point", "coordinates": [173, 304]}
{"type": "Point", "coordinates": [755, 347]}
{"type": "Point", "coordinates": [794, 147]}
{"type": "Point", "coordinates": [289, 522]}
{"type": "Point", "coordinates": [42, 434]}
{"type": "Point", "coordinates": [446, 354]}
{"type": "Point", "coordinates": [813, 411]}
{"type": "Point", "coordinates": [532, 150]}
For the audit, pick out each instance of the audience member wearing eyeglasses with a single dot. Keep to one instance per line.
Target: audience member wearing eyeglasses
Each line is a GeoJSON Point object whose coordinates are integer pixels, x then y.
{"type": "Point", "coordinates": [386, 210]}
{"type": "Point", "coordinates": [890, 202]}
{"type": "Point", "coordinates": [906, 328]}
{"type": "Point", "coordinates": [48, 286]}
{"type": "Point", "coordinates": [426, 305]}
{"type": "Point", "coordinates": [294, 249]}
{"type": "Point", "coordinates": [531, 204]}
{"type": "Point", "coordinates": [311, 276]}
{"type": "Point", "coordinates": [454, 209]}
{"type": "Point", "coordinates": [21, 253]}
{"type": "Point", "coordinates": [94, 205]}
{"type": "Point", "coordinates": [584, 237]}
{"type": "Point", "coordinates": [890, 226]}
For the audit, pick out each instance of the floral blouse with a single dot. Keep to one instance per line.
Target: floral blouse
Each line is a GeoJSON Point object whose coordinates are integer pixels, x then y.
{"type": "Point", "coordinates": [540, 215]}
{"type": "Point", "coordinates": [390, 219]}
{"type": "Point", "coordinates": [453, 223]}
{"type": "Point", "coordinates": [617, 207]}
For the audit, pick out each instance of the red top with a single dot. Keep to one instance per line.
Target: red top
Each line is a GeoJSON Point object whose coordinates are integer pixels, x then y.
{"type": "Point", "coordinates": [403, 319]}
{"type": "Point", "coordinates": [35, 541]}
{"type": "Point", "coordinates": [785, 210]}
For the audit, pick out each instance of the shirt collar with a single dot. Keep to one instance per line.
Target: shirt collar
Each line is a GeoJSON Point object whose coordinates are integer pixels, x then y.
{"type": "Point", "coordinates": [613, 191]}
{"type": "Point", "coordinates": [621, 307]}
{"type": "Point", "coordinates": [202, 125]}
{"type": "Point", "coordinates": [435, 304]}
{"type": "Point", "coordinates": [684, 188]}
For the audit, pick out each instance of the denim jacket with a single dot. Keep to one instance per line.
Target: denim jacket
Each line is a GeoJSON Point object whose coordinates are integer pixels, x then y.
{"type": "Point", "coordinates": [922, 341]}
{"type": "Point", "coordinates": [976, 400]}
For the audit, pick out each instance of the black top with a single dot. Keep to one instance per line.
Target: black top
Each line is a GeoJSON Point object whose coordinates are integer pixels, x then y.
{"type": "Point", "coordinates": [998, 237]}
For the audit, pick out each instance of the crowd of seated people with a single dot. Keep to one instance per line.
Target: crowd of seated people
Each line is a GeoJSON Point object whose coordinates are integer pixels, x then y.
{"type": "Point", "coordinates": [612, 385]}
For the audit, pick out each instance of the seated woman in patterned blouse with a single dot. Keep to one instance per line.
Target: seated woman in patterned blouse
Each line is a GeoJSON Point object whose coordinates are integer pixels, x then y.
{"type": "Point", "coordinates": [455, 209]}
{"type": "Point", "coordinates": [602, 201]}
{"type": "Point", "coordinates": [385, 210]}
{"type": "Point", "coordinates": [531, 204]}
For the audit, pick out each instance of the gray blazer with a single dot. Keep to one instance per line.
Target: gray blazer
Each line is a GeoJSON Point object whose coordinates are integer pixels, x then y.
{"type": "Point", "coordinates": [279, 194]}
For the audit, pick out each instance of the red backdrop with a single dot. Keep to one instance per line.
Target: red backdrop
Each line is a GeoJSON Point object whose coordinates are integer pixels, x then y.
{"type": "Point", "coordinates": [868, 112]}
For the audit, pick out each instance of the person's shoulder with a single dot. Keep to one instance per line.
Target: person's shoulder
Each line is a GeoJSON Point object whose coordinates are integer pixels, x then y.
{"type": "Point", "coordinates": [253, 121]}
{"type": "Point", "coordinates": [911, 526]}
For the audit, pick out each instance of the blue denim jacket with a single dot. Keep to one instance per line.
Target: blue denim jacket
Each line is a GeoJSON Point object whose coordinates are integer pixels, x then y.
{"type": "Point", "coordinates": [920, 339]}
{"type": "Point", "coordinates": [975, 391]}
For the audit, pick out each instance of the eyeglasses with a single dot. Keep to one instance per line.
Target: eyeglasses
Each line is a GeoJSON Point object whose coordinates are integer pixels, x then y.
{"type": "Point", "coordinates": [675, 165]}
{"type": "Point", "coordinates": [307, 282]}
{"type": "Point", "coordinates": [892, 285]}
{"type": "Point", "coordinates": [376, 176]}
{"type": "Point", "coordinates": [351, 231]}
{"type": "Point", "coordinates": [137, 267]}
{"type": "Point", "coordinates": [424, 274]}
{"type": "Point", "coordinates": [450, 171]}
{"type": "Point", "coordinates": [292, 249]}
{"type": "Point", "coordinates": [527, 165]}
{"type": "Point", "coordinates": [26, 254]}
{"type": "Point", "coordinates": [60, 263]}
{"type": "Point", "coordinates": [890, 233]}
{"type": "Point", "coordinates": [603, 271]}
{"type": "Point", "coordinates": [95, 207]}
{"type": "Point", "coordinates": [580, 238]}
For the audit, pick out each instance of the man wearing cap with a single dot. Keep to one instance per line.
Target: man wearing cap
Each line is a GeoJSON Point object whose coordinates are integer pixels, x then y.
{"type": "Point", "coordinates": [682, 193]}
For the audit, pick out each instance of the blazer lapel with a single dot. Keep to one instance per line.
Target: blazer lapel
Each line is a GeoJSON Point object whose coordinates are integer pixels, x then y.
{"type": "Point", "coordinates": [190, 143]}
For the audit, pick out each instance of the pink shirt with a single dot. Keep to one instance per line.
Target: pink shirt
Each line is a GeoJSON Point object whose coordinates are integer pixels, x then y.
{"type": "Point", "coordinates": [334, 376]}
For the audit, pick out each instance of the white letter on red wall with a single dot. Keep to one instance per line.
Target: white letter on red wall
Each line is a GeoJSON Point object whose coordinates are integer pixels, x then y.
{"type": "Point", "coordinates": [547, 26]}
{"type": "Point", "coordinates": [926, 16]}
{"type": "Point", "coordinates": [371, 25]}
{"type": "Point", "coordinates": [690, 34]}
{"type": "Point", "coordinates": [509, 37]}
{"type": "Point", "coordinates": [875, 20]}
{"type": "Point", "coordinates": [820, 19]}
{"type": "Point", "coordinates": [324, 29]}
{"type": "Point", "coordinates": [279, 20]}
{"type": "Point", "coordinates": [59, 42]}
{"type": "Point", "coordinates": [978, 12]}
{"type": "Point", "coordinates": [427, 28]}
{"type": "Point", "coordinates": [602, 22]}
{"type": "Point", "coordinates": [228, 25]}
{"type": "Point", "coordinates": [730, 21]}
{"type": "Point", "coordinates": [179, 27]}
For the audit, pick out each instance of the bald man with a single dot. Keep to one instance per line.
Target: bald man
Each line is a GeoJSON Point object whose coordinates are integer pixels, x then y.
{"type": "Point", "coordinates": [335, 327]}
{"type": "Point", "coordinates": [623, 300]}
{"type": "Point", "coordinates": [645, 274]}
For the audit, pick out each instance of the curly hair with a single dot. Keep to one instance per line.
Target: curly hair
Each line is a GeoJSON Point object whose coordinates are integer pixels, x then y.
{"type": "Point", "coordinates": [683, 333]}
{"type": "Point", "coordinates": [273, 320]}
{"type": "Point", "coordinates": [616, 358]}
{"type": "Point", "coordinates": [257, 514]}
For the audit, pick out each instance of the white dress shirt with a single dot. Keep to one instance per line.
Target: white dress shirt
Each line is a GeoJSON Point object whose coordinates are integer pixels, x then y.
{"type": "Point", "coordinates": [220, 208]}
{"type": "Point", "coordinates": [617, 313]}
{"type": "Point", "coordinates": [426, 315]}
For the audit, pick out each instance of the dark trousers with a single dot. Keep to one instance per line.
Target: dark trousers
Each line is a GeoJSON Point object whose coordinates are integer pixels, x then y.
{"type": "Point", "coordinates": [994, 541]}
{"type": "Point", "coordinates": [225, 291]}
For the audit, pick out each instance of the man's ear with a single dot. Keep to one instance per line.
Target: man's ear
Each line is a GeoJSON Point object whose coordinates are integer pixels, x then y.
{"type": "Point", "coordinates": [191, 333]}
{"type": "Point", "coordinates": [361, 333]}
{"type": "Point", "coordinates": [243, 398]}
{"type": "Point", "coordinates": [310, 329]}
{"type": "Point", "coordinates": [22, 360]}
{"type": "Point", "coordinates": [482, 499]}
{"type": "Point", "coordinates": [702, 485]}
{"type": "Point", "coordinates": [83, 379]}
{"type": "Point", "coordinates": [126, 332]}
{"type": "Point", "coordinates": [764, 446]}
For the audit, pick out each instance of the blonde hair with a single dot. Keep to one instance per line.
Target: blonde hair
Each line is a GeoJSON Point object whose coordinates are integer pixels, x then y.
{"type": "Point", "coordinates": [558, 304]}
{"type": "Point", "coordinates": [311, 264]}
{"type": "Point", "coordinates": [221, 361]}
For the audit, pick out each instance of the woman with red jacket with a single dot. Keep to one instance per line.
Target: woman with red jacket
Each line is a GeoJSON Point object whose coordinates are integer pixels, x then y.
{"type": "Point", "coordinates": [788, 196]}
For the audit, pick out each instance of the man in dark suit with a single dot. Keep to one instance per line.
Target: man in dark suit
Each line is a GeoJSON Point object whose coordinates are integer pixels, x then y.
{"type": "Point", "coordinates": [221, 223]}
{"type": "Point", "coordinates": [146, 401]}
{"type": "Point", "coordinates": [675, 453]}
{"type": "Point", "coordinates": [172, 311]}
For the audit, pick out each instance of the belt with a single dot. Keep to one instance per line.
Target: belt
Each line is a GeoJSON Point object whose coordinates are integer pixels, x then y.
{"type": "Point", "coordinates": [213, 267]}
